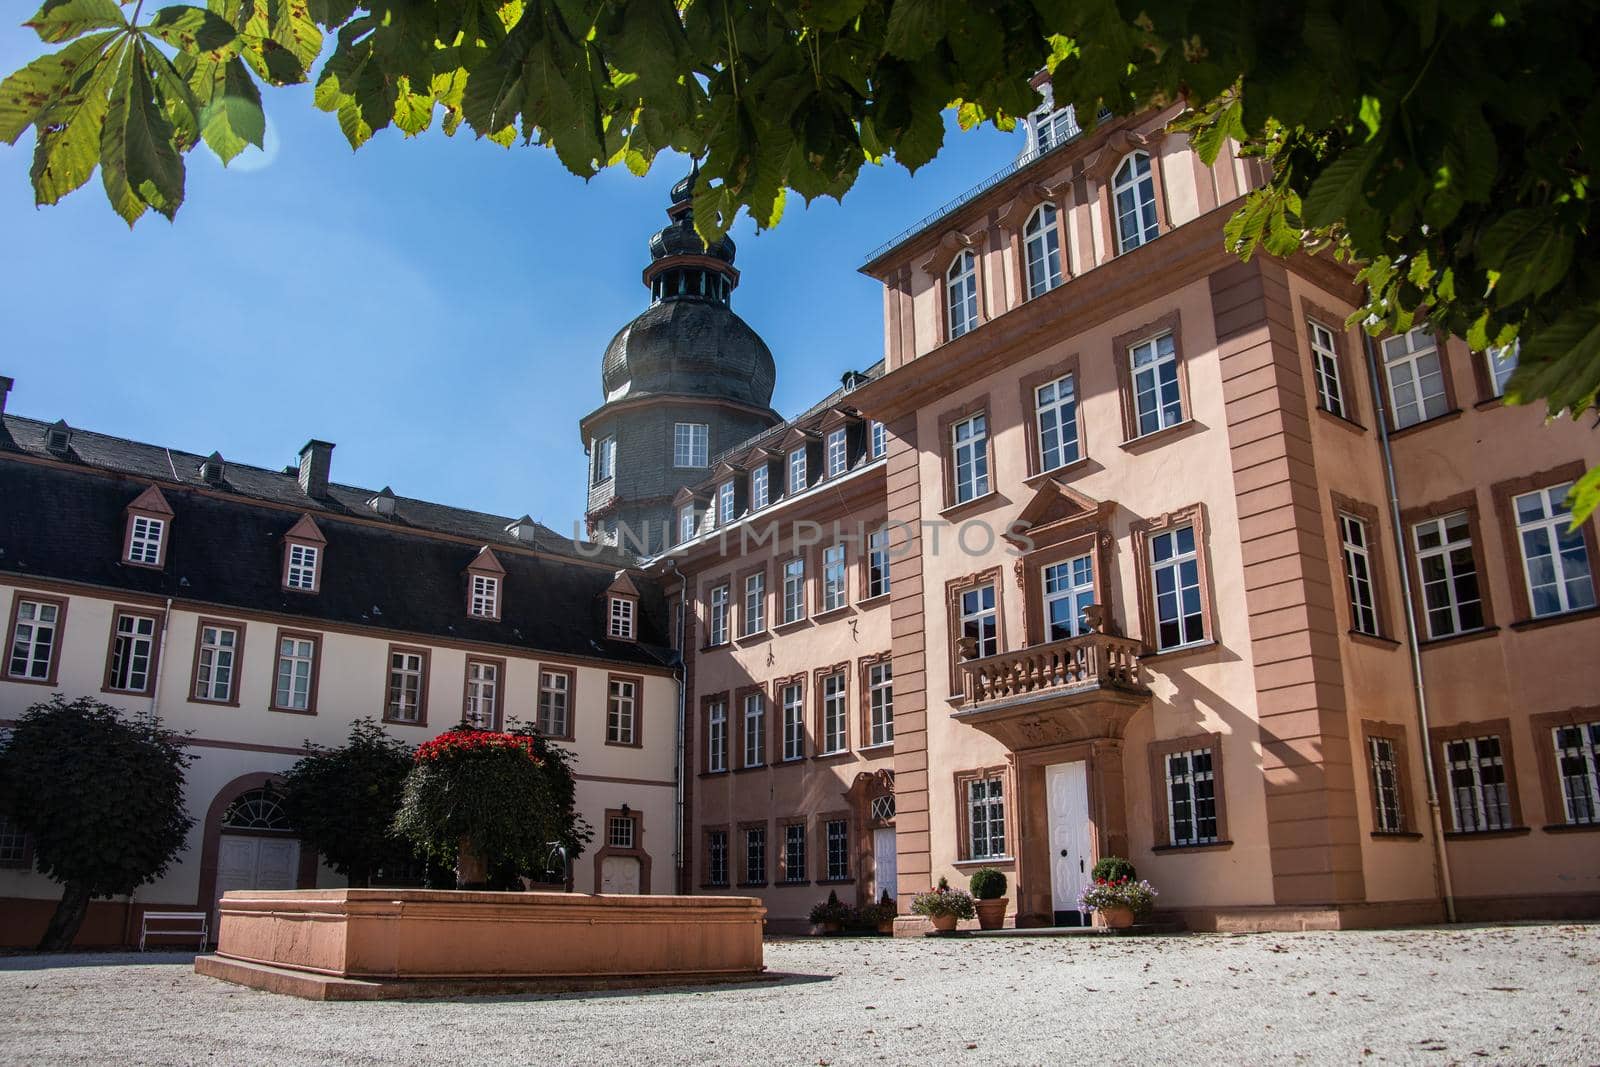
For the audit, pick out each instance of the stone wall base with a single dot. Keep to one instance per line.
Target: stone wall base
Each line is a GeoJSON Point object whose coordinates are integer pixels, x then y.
{"type": "Point", "coordinates": [107, 924]}
{"type": "Point", "coordinates": [1277, 919]}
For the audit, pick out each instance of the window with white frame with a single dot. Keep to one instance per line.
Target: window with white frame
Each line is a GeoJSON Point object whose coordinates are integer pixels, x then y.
{"type": "Point", "coordinates": [1452, 603]}
{"type": "Point", "coordinates": [1056, 414]}
{"type": "Point", "coordinates": [725, 503]}
{"type": "Point", "coordinates": [979, 622]}
{"type": "Point", "coordinates": [485, 596]}
{"type": "Point", "coordinates": [878, 562]}
{"type": "Point", "coordinates": [1054, 126]}
{"type": "Point", "coordinates": [302, 570]}
{"type": "Point", "coordinates": [1133, 195]}
{"type": "Point", "coordinates": [144, 540]}
{"type": "Point", "coordinates": [794, 721]}
{"type": "Point", "coordinates": [833, 572]}
{"type": "Point", "coordinates": [794, 589]}
{"type": "Point", "coordinates": [407, 678]}
{"type": "Point", "coordinates": [554, 717]}
{"type": "Point", "coordinates": [755, 603]}
{"type": "Point", "coordinates": [835, 715]}
{"type": "Point", "coordinates": [13, 844]}
{"type": "Point", "coordinates": [33, 640]}
{"type": "Point", "coordinates": [717, 857]}
{"type": "Point", "coordinates": [755, 730]}
{"type": "Point", "coordinates": [961, 294]}
{"type": "Point", "coordinates": [605, 460]}
{"type": "Point", "coordinates": [1068, 592]}
{"type": "Point", "coordinates": [759, 488]}
{"type": "Point", "coordinates": [1042, 243]}
{"type": "Point", "coordinates": [1578, 764]}
{"type": "Point", "coordinates": [797, 471]}
{"type": "Point", "coordinates": [879, 439]}
{"type": "Point", "coordinates": [691, 444]}
{"type": "Point", "coordinates": [1175, 581]}
{"type": "Point", "coordinates": [838, 834]}
{"type": "Point", "coordinates": [717, 616]}
{"type": "Point", "coordinates": [1502, 364]}
{"type": "Point", "coordinates": [686, 523]}
{"type": "Point", "coordinates": [1191, 798]}
{"type": "Point", "coordinates": [483, 688]}
{"type": "Point", "coordinates": [794, 852]}
{"type": "Point", "coordinates": [1414, 374]}
{"type": "Point", "coordinates": [1354, 541]}
{"type": "Point", "coordinates": [836, 452]}
{"type": "Point", "coordinates": [621, 615]}
{"type": "Point", "coordinates": [1388, 814]}
{"type": "Point", "coordinates": [969, 440]}
{"type": "Point", "coordinates": [755, 855]}
{"type": "Point", "coordinates": [1157, 397]}
{"type": "Point", "coordinates": [132, 650]}
{"type": "Point", "coordinates": [622, 709]}
{"type": "Point", "coordinates": [297, 663]}
{"type": "Point", "coordinates": [214, 664]}
{"type": "Point", "coordinates": [880, 702]}
{"type": "Point", "coordinates": [1478, 797]}
{"type": "Point", "coordinates": [1555, 559]}
{"type": "Point", "coordinates": [1325, 368]}
{"type": "Point", "coordinates": [619, 831]}
{"type": "Point", "coordinates": [986, 818]}
{"type": "Point", "coordinates": [716, 736]}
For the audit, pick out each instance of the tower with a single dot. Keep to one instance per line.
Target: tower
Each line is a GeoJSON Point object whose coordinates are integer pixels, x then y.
{"type": "Point", "coordinates": [684, 381]}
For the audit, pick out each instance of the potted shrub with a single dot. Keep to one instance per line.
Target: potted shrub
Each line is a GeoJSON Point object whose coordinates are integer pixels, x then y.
{"type": "Point", "coordinates": [880, 916]}
{"type": "Point", "coordinates": [989, 891]}
{"type": "Point", "coordinates": [1116, 896]}
{"type": "Point", "coordinates": [944, 906]}
{"type": "Point", "coordinates": [829, 914]}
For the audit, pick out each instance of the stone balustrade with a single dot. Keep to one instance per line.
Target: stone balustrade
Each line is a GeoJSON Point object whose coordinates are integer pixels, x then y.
{"type": "Point", "coordinates": [1087, 661]}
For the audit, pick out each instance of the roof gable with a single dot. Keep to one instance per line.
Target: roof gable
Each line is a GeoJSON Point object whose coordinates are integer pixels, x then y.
{"type": "Point", "coordinates": [151, 501]}
{"type": "Point", "coordinates": [486, 562]}
{"type": "Point", "coordinates": [306, 530]}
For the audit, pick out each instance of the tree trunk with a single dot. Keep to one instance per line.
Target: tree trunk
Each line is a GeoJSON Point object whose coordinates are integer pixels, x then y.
{"type": "Point", "coordinates": [64, 924]}
{"type": "Point", "coordinates": [472, 872]}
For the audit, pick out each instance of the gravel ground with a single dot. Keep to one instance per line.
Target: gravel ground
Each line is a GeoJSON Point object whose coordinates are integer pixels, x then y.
{"type": "Point", "coordinates": [1495, 994]}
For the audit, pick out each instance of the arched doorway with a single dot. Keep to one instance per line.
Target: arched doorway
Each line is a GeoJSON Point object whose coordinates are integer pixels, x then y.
{"type": "Point", "coordinates": [249, 843]}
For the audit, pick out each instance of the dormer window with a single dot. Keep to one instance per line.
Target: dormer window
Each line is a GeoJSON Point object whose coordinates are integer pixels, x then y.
{"type": "Point", "coordinates": [759, 488]}
{"type": "Point", "coordinates": [880, 440]}
{"type": "Point", "coordinates": [961, 294]}
{"type": "Point", "coordinates": [797, 471]}
{"type": "Point", "coordinates": [686, 523]}
{"type": "Point", "coordinates": [1133, 201]}
{"type": "Point", "coordinates": [58, 438]}
{"type": "Point", "coordinates": [725, 503]}
{"type": "Point", "coordinates": [302, 557]}
{"type": "Point", "coordinates": [621, 616]}
{"type": "Point", "coordinates": [302, 567]}
{"type": "Point", "coordinates": [1043, 246]}
{"type": "Point", "coordinates": [1054, 127]}
{"type": "Point", "coordinates": [837, 452]}
{"type": "Point", "coordinates": [485, 596]}
{"type": "Point", "coordinates": [149, 521]}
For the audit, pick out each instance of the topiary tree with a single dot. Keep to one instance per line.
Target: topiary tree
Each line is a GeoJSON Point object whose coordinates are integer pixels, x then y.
{"type": "Point", "coordinates": [987, 883]}
{"type": "Point", "coordinates": [488, 799]}
{"type": "Point", "coordinates": [101, 794]}
{"type": "Point", "coordinates": [343, 801]}
{"type": "Point", "coordinates": [1113, 869]}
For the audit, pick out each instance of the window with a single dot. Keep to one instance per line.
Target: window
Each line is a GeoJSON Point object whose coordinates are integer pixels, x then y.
{"type": "Point", "coordinates": [717, 622]}
{"type": "Point", "coordinates": [295, 687]}
{"type": "Point", "coordinates": [794, 589]}
{"type": "Point", "coordinates": [619, 831]}
{"type": "Point", "coordinates": [838, 833]}
{"type": "Point", "coordinates": [833, 591]}
{"type": "Point", "coordinates": [408, 681]}
{"type": "Point", "coordinates": [621, 618]}
{"type": "Point", "coordinates": [1133, 193]}
{"type": "Point", "coordinates": [717, 857]}
{"type": "Point", "coordinates": [794, 852]}
{"type": "Point", "coordinates": [1043, 246]}
{"type": "Point", "coordinates": [794, 721]}
{"type": "Point", "coordinates": [797, 471]}
{"type": "Point", "coordinates": [485, 601]}
{"type": "Point", "coordinates": [1175, 580]}
{"type": "Point", "coordinates": [215, 663]}
{"type": "Point", "coordinates": [1191, 798]}
{"type": "Point", "coordinates": [834, 721]}
{"type": "Point", "coordinates": [755, 730]}
{"type": "Point", "coordinates": [1068, 590]}
{"type": "Point", "coordinates": [1450, 597]}
{"type": "Point", "coordinates": [1555, 561]}
{"type": "Point", "coordinates": [132, 653]}
{"type": "Point", "coordinates": [482, 704]}
{"type": "Point", "coordinates": [979, 621]}
{"type": "Point", "coordinates": [1578, 764]}
{"type": "Point", "coordinates": [605, 460]}
{"type": "Point", "coordinates": [1415, 377]}
{"type": "Point", "coordinates": [302, 570]}
{"type": "Point", "coordinates": [554, 717]}
{"type": "Point", "coordinates": [878, 563]}
{"type": "Point", "coordinates": [759, 489]}
{"type": "Point", "coordinates": [1056, 409]}
{"type": "Point", "coordinates": [1353, 536]}
{"type": "Point", "coordinates": [755, 855]}
{"type": "Point", "coordinates": [1478, 798]}
{"type": "Point", "coordinates": [969, 439]}
{"type": "Point", "coordinates": [837, 452]}
{"type": "Point", "coordinates": [622, 707]}
{"type": "Point", "coordinates": [35, 632]}
{"type": "Point", "coordinates": [1055, 127]}
{"type": "Point", "coordinates": [1501, 363]}
{"type": "Point", "coordinates": [1388, 814]}
{"type": "Point", "coordinates": [986, 818]}
{"type": "Point", "coordinates": [1325, 368]}
{"type": "Point", "coordinates": [13, 844]}
{"type": "Point", "coordinates": [691, 444]}
{"type": "Point", "coordinates": [961, 294]}
{"type": "Point", "coordinates": [716, 737]}
{"type": "Point", "coordinates": [755, 603]}
{"type": "Point", "coordinates": [1157, 399]}
{"type": "Point", "coordinates": [725, 503]}
{"type": "Point", "coordinates": [879, 439]}
{"type": "Point", "coordinates": [144, 540]}
{"type": "Point", "coordinates": [686, 523]}
{"type": "Point", "coordinates": [880, 703]}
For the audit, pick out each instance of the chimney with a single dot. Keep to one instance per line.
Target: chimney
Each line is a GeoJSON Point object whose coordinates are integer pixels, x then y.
{"type": "Point", "coordinates": [212, 469]}
{"type": "Point", "coordinates": [5, 388]}
{"type": "Point", "coordinates": [315, 460]}
{"type": "Point", "coordinates": [383, 503]}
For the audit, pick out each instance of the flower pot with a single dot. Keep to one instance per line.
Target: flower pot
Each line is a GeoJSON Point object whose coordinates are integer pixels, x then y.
{"type": "Point", "coordinates": [830, 928]}
{"type": "Point", "coordinates": [1117, 918]}
{"type": "Point", "coordinates": [991, 913]}
{"type": "Point", "coordinates": [886, 927]}
{"type": "Point", "coordinates": [943, 923]}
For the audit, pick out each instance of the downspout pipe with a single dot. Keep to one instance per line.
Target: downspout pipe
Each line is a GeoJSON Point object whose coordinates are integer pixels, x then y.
{"type": "Point", "coordinates": [1440, 856]}
{"type": "Point", "coordinates": [680, 676]}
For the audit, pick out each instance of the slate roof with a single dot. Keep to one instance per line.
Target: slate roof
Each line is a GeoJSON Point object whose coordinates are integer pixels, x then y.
{"type": "Point", "coordinates": [772, 435]}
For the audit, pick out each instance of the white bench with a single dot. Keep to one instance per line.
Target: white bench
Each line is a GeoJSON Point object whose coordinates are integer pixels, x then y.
{"type": "Point", "coordinates": [191, 924]}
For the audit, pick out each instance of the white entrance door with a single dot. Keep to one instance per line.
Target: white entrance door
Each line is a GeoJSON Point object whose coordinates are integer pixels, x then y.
{"type": "Point", "coordinates": [619, 874]}
{"type": "Point", "coordinates": [248, 861]}
{"type": "Point", "coordinates": [1066, 787]}
{"type": "Point", "coordinates": [884, 863]}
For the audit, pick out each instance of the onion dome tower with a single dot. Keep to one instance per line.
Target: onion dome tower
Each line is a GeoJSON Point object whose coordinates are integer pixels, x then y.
{"type": "Point", "coordinates": [683, 382]}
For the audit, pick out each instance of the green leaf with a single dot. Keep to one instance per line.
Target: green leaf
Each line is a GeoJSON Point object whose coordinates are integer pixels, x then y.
{"type": "Point", "coordinates": [177, 101]}
{"type": "Point", "coordinates": [192, 29]}
{"type": "Point", "coordinates": [1371, 115]}
{"type": "Point", "coordinates": [44, 83]}
{"type": "Point", "coordinates": [1584, 497]}
{"type": "Point", "coordinates": [291, 26]}
{"type": "Point", "coordinates": [138, 163]}
{"type": "Point", "coordinates": [231, 116]}
{"type": "Point", "coordinates": [915, 26]}
{"type": "Point", "coordinates": [1529, 249]}
{"type": "Point", "coordinates": [1341, 187]}
{"type": "Point", "coordinates": [1227, 122]}
{"type": "Point", "coordinates": [68, 147]}
{"type": "Point", "coordinates": [1560, 362]}
{"type": "Point", "coordinates": [62, 20]}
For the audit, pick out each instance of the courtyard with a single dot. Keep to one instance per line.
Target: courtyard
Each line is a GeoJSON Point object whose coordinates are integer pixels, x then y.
{"type": "Point", "coordinates": [1512, 993]}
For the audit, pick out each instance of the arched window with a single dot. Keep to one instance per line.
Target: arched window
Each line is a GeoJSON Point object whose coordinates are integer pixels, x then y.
{"type": "Point", "coordinates": [1043, 246]}
{"type": "Point", "coordinates": [1133, 192]}
{"type": "Point", "coordinates": [961, 294]}
{"type": "Point", "coordinates": [258, 809]}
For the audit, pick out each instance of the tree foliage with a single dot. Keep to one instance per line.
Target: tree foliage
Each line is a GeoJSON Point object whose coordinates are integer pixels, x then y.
{"type": "Point", "coordinates": [1445, 147]}
{"type": "Point", "coordinates": [343, 801]}
{"type": "Point", "coordinates": [101, 794]}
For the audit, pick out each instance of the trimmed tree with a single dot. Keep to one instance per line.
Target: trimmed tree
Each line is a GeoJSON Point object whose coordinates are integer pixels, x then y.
{"type": "Point", "coordinates": [101, 794]}
{"type": "Point", "coordinates": [343, 801]}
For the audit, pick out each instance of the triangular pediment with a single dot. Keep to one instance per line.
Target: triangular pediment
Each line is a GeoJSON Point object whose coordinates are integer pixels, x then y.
{"type": "Point", "coordinates": [1057, 507]}
{"type": "Point", "coordinates": [757, 457]}
{"type": "Point", "coordinates": [486, 562]}
{"type": "Point", "coordinates": [727, 469]}
{"type": "Point", "coordinates": [306, 530]}
{"type": "Point", "coordinates": [687, 495]}
{"type": "Point", "coordinates": [796, 437]}
{"type": "Point", "coordinates": [623, 585]}
{"type": "Point", "coordinates": [837, 417]}
{"type": "Point", "coordinates": [152, 502]}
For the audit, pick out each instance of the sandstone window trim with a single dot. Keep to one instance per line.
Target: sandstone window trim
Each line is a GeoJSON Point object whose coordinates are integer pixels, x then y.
{"type": "Point", "coordinates": [755, 859]}
{"type": "Point", "coordinates": [755, 726]}
{"type": "Point", "coordinates": [1402, 818]}
{"type": "Point", "coordinates": [793, 868]}
{"type": "Point", "coordinates": [230, 698]}
{"type": "Point", "coordinates": [978, 406]}
{"type": "Point", "coordinates": [715, 856]}
{"type": "Point", "coordinates": [789, 700]}
{"type": "Point", "coordinates": [1161, 800]}
{"type": "Point", "coordinates": [56, 626]}
{"type": "Point", "coordinates": [869, 670]}
{"type": "Point", "coordinates": [402, 662]}
{"type": "Point", "coordinates": [714, 713]}
{"type": "Point", "coordinates": [1122, 349]}
{"type": "Point", "coordinates": [312, 657]}
{"type": "Point", "coordinates": [1029, 387]}
{"type": "Point", "coordinates": [472, 690]}
{"type": "Point", "coordinates": [1441, 738]}
{"type": "Point", "coordinates": [133, 629]}
{"type": "Point", "coordinates": [1504, 495]}
{"type": "Point", "coordinates": [1410, 519]}
{"type": "Point", "coordinates": [1347, 368]}
{"type": "Point", "coordinates": [830, 683]}
{"type": "Point", "coordinates": [625, 705]}
{"type": "Point", "coordinates": [544, 709]}
{"type": "Point", "coordinates": [1371, 520]}
{"type": "Point", "coordinates": [1143, 532]}
{"type": "Point", "coordinates": [962, 782]}
{"type": "Point", "coordinates": [1551, 779]}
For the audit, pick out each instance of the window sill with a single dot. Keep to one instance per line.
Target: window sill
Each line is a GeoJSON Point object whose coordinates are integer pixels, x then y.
{"type": "Point", "coordinates": [300, 711]}
{"type": "Point", "coordinates": [610, 744]}
{"type": "Point", "coordinates": [1396, 835]}
{"type": "Point", "coordinates": [1342, 421]}
{"type": "Point", "coordinates": [1066, 470]}
{"type": "Point", "coordinates": [1490, 402]}
{"type": "Point", "coordinates": [790, 761]}
{"type": "Point", "coordinates": [1008, 862]}
{"type": "Point", "coordinates": [750, 767]}
{"type": "Point", "coordinates": [1453, 413]}
{"type": "Point", "coordinates": [1572, 827]}
{"type": "Point", "coordinates": [197, 700]}
{"type": "Point", "coordinates": [977, 503]}
{"type": "Point", "coordinates": [831, 757]}
{"type": "Point", "coordinates": [1159, 437]}
{"type": "Point", "coordinates": [1179, 652]}
{"type": "Point", "coordinates": [710, 886]}
{"type": "Point", "coordinates": [871, 601]}
{"type": "Point", "coordinates": [884, 747]}
{"type": "Point", "coordinates": [752, 885]}
{"type": "Point", "coordinates": [1542, 621]}
{"type": "Point", "coordinates": [745, 640]}
{"type": "Point", "coordinates": [1510, 831]}
{"type": "Point", "coordinates": [142, 694]}
{"type": "Point", "coordinates": [830, 613]}
{"type": "Point", "coordinates": [1375, 641]}
{"type": "Point", "coordinates": [405, 722]}
{"type": "Point", "coordinates": [43, 681]}
{"type": "Point", "coordinates": [1209, 846]}
{"type": "Point", "coordinates": [836, 881]}
{"type": "Point", "coordinates": [720, 645]}
{"type": "Point", "coordinates": [791, 883]}
{"type": "Point", "coordinates": [1458, 639]}
{"type": "Point", "coordinates": [787, 627]}
{"type": "Point", "coordinates": [712, 774]}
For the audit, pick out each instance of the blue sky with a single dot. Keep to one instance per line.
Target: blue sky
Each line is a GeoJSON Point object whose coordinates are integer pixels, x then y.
{"type": "Point", "coordinates": [436, 307]}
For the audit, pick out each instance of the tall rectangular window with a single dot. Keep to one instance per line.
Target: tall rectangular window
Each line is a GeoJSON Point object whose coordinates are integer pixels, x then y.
{"type": "Point", "coordinates": [622, 709]}
{"type": "Point", "coordinates": [878, 562]}
{"type": "Point", "coordinates": [760, 490]}
{"type": "Point", "coordinates": [879, 439]}
{"type": "Point", "coordinates": [34, 640]}
{"type": "Point", "coordinates": [1578, 763]}
{"type": "Point", "coordinates": [838, 831]}
{"type": "Point", "coordinates": [1353, 535]}
{"type": "Point", "coordinates": [485, 596]}
{"type": "Point", "coordinates": [214, 664]}
{"type": "Point", "coordinates": [1158, 401]}
{"type": "Point", "coordinates": [1451, 600]}
{"type": "Point", "coordinates": [835, 716]}
{"type": "Point", "coordinates": [1478, 797]}
{"type": "Point", "coordinates": [717, 622]}
{"type": "Point", "coordinates": [725, 503]}
{"type": "Point", "coordinates": [986, 818]}
{"type": "Point", "coordinates": [407, 684]}
{"type": "Point", "coordinates": [794, 721]}
{"type": "Point", "coordinates": [1068, 592]}
{"type": "Point", "coordinates": [717, 857]}
{"type": "Point", "coordinates": [686, 523]}
{"type": "Point", "coordinates": [794, 589]}
{"type": "Point", "coordinates": [554, 717]}
{"type": "Point", "coordinates": [1056, 411]}
{"type": "Point", "coordinates": [1175, 579]}
{"type": "Point", "coordinates": [1388, 815]}
{"type": "Point", "coordinates": [297, 663]}
{"type": "Point", "coordinates": [880, 698]}
{"type": "Point", "coordinates": [979, 621]}
{"type": "Point", "coordinates": [755, 730]}
{"type": "Point", "coordinates": [1191, 798]}
{"type": "Point", "coordinates": [833, 585]}
{"type": "Point", "coordinates": [132, 651]}
{"type": "Point", "coordinates": [1415, 377]}
{"type": "Point", "coordinates": [797, 471]}
{"type": "Point", "coordinates": [1502, 363]}
{"type": "Point", "coordinates": [1555, 560]}
{"type": "Point", "coordinates": [483, 692]}
{"type": "Point", "coordinates": [837, 452]}
{"type": "Point", "coordinates": [621, 614]}
{"type": "Point", "coordinates": [691, 444]}
{"type": "Point", "coordinates": [755, 856]}
{"type": "Point", "coordinates": [969, 441]}
{"type": "Point", "coordinates": [717, 736]}
{"type": "Point", "coordinates": [755, 603]}
{"type": "Point", "coordinates": [794, 852]}
{"type": "Point", "coordinates": [1325, 368]}
{"type": "Point", "coordinates": [302, 567]}
{"type": "Point", "coordinates": [13, 844]}
{"type": "Point", "coordinates": [605, 460]}
{"type": "Point", "coordinates": [144, 540]}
